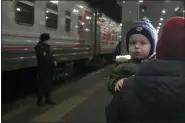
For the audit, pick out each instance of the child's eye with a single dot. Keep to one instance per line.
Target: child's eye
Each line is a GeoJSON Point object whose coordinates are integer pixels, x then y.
{"type": "Point", "coordinates": [143, 43]}
{"type": "Point", "coordinates": [133, 42]}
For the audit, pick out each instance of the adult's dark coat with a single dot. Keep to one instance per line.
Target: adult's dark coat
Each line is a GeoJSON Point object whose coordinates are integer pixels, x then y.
{"type": "Point", "coordinates": [45, 59]}
{"type": "Point", "coordinates": [155, 94]}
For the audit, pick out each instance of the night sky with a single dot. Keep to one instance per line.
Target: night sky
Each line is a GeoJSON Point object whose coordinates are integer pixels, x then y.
{"type": "Point", "coordinates": [108, 7]}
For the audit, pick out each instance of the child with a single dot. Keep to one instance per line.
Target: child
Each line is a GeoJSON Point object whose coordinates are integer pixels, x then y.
{"type": "Point", "coordinates": [141, 44]}
{"type": "Point", "coordinates": [156, 93]}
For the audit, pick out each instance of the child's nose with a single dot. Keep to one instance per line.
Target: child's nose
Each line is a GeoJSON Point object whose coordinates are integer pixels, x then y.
{"type": "Point", "coordinates": [137, 46]}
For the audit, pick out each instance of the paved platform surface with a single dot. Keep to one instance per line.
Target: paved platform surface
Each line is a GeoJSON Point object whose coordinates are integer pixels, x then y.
{"type": "Point", "coordinates": [80, 101]}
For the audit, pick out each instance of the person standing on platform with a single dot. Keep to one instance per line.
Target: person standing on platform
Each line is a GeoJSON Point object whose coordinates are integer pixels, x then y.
{"type": "Point", "coordinates": [46, 69]}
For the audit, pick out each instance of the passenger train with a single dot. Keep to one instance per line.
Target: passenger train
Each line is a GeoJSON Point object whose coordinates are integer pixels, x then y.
{"type": "Point", "coordinates": [79, 33]}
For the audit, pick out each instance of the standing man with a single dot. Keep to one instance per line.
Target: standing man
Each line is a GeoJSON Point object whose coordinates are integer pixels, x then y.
{"type": "Point", "coordinates": [46, 68]}
{"type": "Point", "coordinates": [118, 49]}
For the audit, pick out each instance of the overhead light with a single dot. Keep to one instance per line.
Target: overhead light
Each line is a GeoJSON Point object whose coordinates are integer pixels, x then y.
{"type": "Point", "coordinates": [120, 24]}
{"type": "Point", "coordinates": [88, 18]}
{"type": "Point", "coordinates": [81, 6]}
{"type": "Point", "coordinates": [83, 23]}
{"type": "Point", "coordinates": [143, 10]}
{"type": "Point", "coordinates": [183, 11]}
{"type": "Point", "coordinates": [177, 8]}
{"type": "Point", "coordinates": [123, 1]}
{"type": "Point", "coordinates": [161, 19]}
{"type": "Point", "coordinates": [75, 10]}
{"type": "Point", "coordinates": [158, 27]}
{"type": "Point", "coordinates": [163, 11]}
{"type": "Point", "coordinates": [160, 24]}
{"type": "Point", "coordinates": [129, 11]}
{"type": "Point", "coordinates": [141, 1]}
{"type": "Point", "coordinates": [56, 2]}
{"type": "Point", "coordinates": [87, 29]}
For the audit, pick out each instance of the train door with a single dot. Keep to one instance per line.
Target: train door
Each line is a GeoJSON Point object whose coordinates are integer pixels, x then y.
{"type": "Point", "coordinates": [97, 33]}
{"type": "Point", "coordinates": [88, 24]}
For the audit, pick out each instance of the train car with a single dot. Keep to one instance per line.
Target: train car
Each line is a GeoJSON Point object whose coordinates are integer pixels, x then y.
{"type": "Point", "coordinates": [78, 32]}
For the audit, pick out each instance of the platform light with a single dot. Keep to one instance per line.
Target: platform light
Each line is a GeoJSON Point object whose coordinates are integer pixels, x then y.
{"type": "Point", "coordinates": [18, 9]}
{"type": "Point", "coordinates": [183, 11]}
{"type": "Point", "coordinates": [163, 11]}
{"type": "Point", "coordinates": [120, 24]}
{"type": "Point", "coordinates": [75, 10]}
{"type": "Point", "coordinates": [143, 10]}
{"type": "Point", "coordinates": [123, 1]}
{"type": "Point", "coordinates": [46, 17]}
{"type": "Point", "coordinates": [158, 27]}
{"type": "Point", "coordinates": [160, 24]}
{"type": "Point", "coordinates": [141, 1]}
{"type": "Point", "coordinates": [161, 19]}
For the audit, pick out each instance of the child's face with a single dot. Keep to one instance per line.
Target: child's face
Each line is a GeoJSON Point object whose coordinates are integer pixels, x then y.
{"type": "Point", "coordinates": [139, 46]}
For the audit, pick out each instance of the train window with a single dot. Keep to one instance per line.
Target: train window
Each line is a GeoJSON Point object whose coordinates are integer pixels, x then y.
{"type": "Point", "coordinates": [52, 15]}
{"type": "Point", "coordinates": [116, 35]}
{"type": "Point", "coordinates": [68, 21]}
{"type": "Point", "coordinates": [24, 12]}
{"type": "Point", "coordinates": [112, 35]}
{"type": "Point", "coordinates": [108, 36]}
{"type": "Point", "coordinates": [80, 24]}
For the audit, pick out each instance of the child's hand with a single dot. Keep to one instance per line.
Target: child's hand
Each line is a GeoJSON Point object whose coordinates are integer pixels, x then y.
{"type": "Point", "coordinates": [119, 84]}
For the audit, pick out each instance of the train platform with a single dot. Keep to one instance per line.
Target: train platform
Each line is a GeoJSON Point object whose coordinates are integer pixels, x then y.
{"type": "Point", "coordinates": [81, 101]}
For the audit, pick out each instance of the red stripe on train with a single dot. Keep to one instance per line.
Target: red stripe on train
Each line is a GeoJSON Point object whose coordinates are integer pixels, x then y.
{"type": "Point", "coordinates": [14, 47]}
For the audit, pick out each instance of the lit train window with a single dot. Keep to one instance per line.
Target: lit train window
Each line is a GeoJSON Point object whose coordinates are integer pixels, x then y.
{"type": "Point", "coordinates": [68, 21]}
{"type": "Point", "coordinates": [52, 14]}
{"type": "Point", "coordinates": [80, 26]}
{"type": "Point", "coordinates": [24, 12]}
